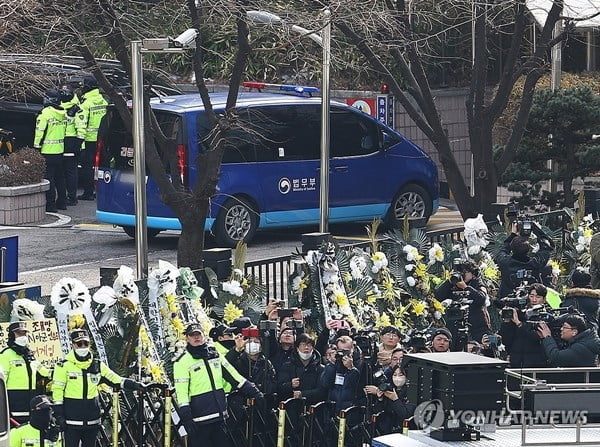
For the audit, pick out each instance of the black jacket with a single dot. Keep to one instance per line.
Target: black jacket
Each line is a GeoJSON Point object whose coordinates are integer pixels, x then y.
{"type": "Point", "coordinates": [394, 412]}
{"type": "Point", "coordinates": [280, 356]}
{"type": "Point", "coordinates": [585, 300]}
{"type": "Point", "coordinates": [581, 351]}
{"type": "Point", "coordinates": [259, 372]}
{"type": "Point", "coordinates": [479, 319]}
{"type": "Point", "coordinates": [523, 345]}
{"type": "Point", "coordinates": [309, 376]}
{"type": "Point", "coordinates": [509, 264]}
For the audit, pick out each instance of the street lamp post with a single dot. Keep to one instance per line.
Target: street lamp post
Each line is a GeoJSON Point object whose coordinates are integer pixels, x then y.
{"type": "Point", "coordinates": [324, 41]}
{"type": "Point", "coordinates": [183, 42]}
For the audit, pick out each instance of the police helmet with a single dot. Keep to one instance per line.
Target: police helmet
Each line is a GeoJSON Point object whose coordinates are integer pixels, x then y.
{"type": "Point", "coordinates": [89, 83]}
{"type": "Point", "coordinates": [51, 97]}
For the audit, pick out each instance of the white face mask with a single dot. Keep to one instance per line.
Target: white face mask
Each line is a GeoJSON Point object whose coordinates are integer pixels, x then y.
{"type": "Point", "coordinates": [22, 340]}
{"type": "Point", "coordinates": [252, 348]}
{"type": "Point", "coordinates": [305, 355]}
{"type": "Point", "coordinates": [399, 380]}
{"type": "Point", "coordinates": [82, 352]}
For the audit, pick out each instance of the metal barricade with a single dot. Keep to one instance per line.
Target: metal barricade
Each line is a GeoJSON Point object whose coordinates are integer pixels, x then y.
{"type": "Point", "coordinates": [322, 420]}
{"type": "Point", "coordinates": [290, 422]}
{"type": "Point", "coordinates": [352, 429]}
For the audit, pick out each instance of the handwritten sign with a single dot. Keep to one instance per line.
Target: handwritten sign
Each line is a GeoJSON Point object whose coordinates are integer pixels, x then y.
{"type": "Point", "coordinates": [43, 340]}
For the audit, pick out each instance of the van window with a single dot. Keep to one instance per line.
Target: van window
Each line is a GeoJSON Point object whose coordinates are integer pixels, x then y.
{"type": "Point", "coordinates": [118, 143]}
{"type": "Point", "coordinates": [287, 132]}
{"type": "Point", "coordinates": [352, 134]}
{"type": "Point", "coordinates": [240, 141]}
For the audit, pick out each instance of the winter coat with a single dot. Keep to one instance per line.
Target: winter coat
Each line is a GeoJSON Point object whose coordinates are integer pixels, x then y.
{"type": "Point", "coordinates": [586, 301]}
{"type": "Point", "coordinates": [259, 371]}
{"type": "Point", "coordinates": [479, 319]}
{"type": "Point", "coordinates": [280, 356]}
{"type": "Point", "coordinates": [394, 412]}
{"type": "Point", "coordinates": [509, 265]}
{"type": "Point", "coordinates": [523, 345]}
{"type": "Point", "coordinates": [341, 385]}
{"type": "Point", "coordinates": [580, 351]}
{"type": "Point", "coordinates": [309, 375]}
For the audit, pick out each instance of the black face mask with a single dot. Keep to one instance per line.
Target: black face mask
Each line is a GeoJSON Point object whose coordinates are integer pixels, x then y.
{"type": "Point", "coordinates": [228, 344]}
{"type": "Point", "coordinates": [40, 419]}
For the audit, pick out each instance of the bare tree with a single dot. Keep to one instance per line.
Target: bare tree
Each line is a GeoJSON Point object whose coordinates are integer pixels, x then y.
{"type": "Point", "coordinates": [404, 35]}
{"type": "Point", "coordinates": [85, 26]}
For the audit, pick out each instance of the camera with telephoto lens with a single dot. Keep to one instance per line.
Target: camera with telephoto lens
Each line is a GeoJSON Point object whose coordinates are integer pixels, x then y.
{"type": "Point", "coordinates": [419, 340]}
{"type": "Point", "coordinates": [524, 222]}
{"type": "Point", "coordinates": [381, 381]}
{"type": "Point", "coordinates": [339, 355]}
{"type": "Point", "coordinates": [519, 299]}
{"type": "Point", "coordinates": [367, 340]}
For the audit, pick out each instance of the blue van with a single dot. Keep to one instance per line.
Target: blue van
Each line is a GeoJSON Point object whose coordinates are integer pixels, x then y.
{"type": "Point", "coordinates": [270, 172]}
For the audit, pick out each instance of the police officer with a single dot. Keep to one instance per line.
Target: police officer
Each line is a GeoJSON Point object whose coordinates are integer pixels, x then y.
{"type": "Point", "coordinates": [49, 137]}
{"type": "Point", "coordinates": [199, 375]}
{"type": "Point", "coordinates": [74, 136]}
{"type": "Point", "coordinates": [22, 371]}
{"type": "Point", "coordinates": [41, 429]}
{"type": "Point", "coordinates": [93, 108]}
{"type": "Point", "coordinates": [75, 391]}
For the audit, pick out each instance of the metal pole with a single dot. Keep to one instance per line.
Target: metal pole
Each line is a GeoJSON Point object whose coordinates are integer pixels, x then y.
{"type": "Point", "coordinates": [139, 166]}
{"type": "Point", "coordinates": [555, 75]}
{"type": "Point", "coordinates": [2, 263]}
{"type": "Point", "coordinates": [324, 191]}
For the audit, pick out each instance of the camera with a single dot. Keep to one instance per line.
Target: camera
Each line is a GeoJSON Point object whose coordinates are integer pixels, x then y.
{"type": "Point", "coordinates": [524, 222]}
{"type": "Point", "coordinates": [455, 277]}
{"type": "Point", "coordinates": [187, 39]}
{"type": "Point", "coordinates": [381, 381]}
{"type": "Point", "coordinates": [339, 355]}
{"type": "Point", "coordinates": [366, 341]}
{"type": "Point", "coordinates": [419, 341]}
{"type": "Point", "coordinates": [267, 325]}
{"type": "Point", "coordinates": [295, 324]}
{"type": "Point", "coordinates": [249, 332]}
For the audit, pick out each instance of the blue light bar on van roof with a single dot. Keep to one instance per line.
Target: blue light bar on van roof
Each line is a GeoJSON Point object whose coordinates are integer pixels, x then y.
{"type": "Point", "coordinates": [299, 89]}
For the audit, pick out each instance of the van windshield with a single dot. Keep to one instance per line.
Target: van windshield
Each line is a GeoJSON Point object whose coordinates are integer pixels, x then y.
{"type": "Point", "coordinates": [117, 152]}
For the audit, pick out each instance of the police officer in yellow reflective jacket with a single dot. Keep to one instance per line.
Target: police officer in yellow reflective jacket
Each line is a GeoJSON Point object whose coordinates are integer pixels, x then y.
{"type": "Point", "coordinates": [21, 370]}
{"type": "Point", "coordinates": [50, 127]}
{"type": "Point", "coordinates": [41, 429]}
{"type": "Point", "coordinates": [75, 391]}
{"type": "Point", "coordinates": [93, 108]}
{"type": "Point", "coordinates": [74, 136]}
{"type": "Point", "coordinates": [199, 374]}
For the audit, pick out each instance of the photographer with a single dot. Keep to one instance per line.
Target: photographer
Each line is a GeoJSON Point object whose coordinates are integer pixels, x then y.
{"type": "Point", "coordinates": [391, 399]}
{"type": "Point", "coordinates": [522, 343]}
{"type": "Point", "coordinates": [583, 345]}
{"type": "Point", "coordinates": [583, 298]}
{"type": "Point", "coordinates": [247, 358]}
{"type": "Point", "coordinates": [341, 378]}
{"type": "Point", "coordinates": [300, 376]}
{"type": "Point", "coordinates": [514, 259]}
{"type": "Point", "coordinates": [464, 285]}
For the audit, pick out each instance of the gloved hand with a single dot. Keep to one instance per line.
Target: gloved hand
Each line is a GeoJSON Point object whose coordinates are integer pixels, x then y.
{"type": "Point", "coordinates": [52, 432]}
{"type": "Point", "coordinates": [129, 384]}
{"type": "Point", "coordinates": [187, 419]}
{"type": "Point", "coordinates": [59, 416]}
{"type": "Point", "coordinates": [250, 390]}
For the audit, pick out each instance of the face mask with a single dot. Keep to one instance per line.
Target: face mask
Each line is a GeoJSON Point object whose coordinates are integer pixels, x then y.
{"type": "Point", "coordinates": [399, 381]}
{"type": "Point", "coordinates": [305, 356]}
{"type": "Point", "coordinates": [21, 341]}
{"type": "Point", "coordinates": [252, 348]}
{"type": "Point", "coordinates": [228, 344]}
{"type": "Point", "coordinates": [82, 352]}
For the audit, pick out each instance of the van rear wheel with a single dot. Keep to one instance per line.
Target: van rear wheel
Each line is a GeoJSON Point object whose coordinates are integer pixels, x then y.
{"type": "Point", "coordinates": [412, 201]}
{"type": "Point", "coordinates": [237, 221]}
{"type": "Point", "coordinates": [150, 232]}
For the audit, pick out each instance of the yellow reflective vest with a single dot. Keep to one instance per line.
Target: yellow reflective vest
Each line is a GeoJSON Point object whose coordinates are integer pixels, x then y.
{"type": "Point", "coordinates": [76, 125]}
{"type": "Point", "coordinates": [50, 128]}
{"type": "Point", "coordinates": [27, 436]}
{"type": "Point", "coordinates": [93, 108]}
{"type": "Point", "coordinates": [199, 383]}
{"type": "Point", "coordinates": [21, 378]}
{"type": "Point", "coordinates": [75, 387]}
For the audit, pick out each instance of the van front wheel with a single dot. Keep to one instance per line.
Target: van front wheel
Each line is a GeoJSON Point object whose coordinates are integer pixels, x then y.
{"type": "Point", "coordinates": [150, 232]}
{"type": "Point", "coordinates": [237, 221]}
{"type": "Point", "coordinates": [412, 201]}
